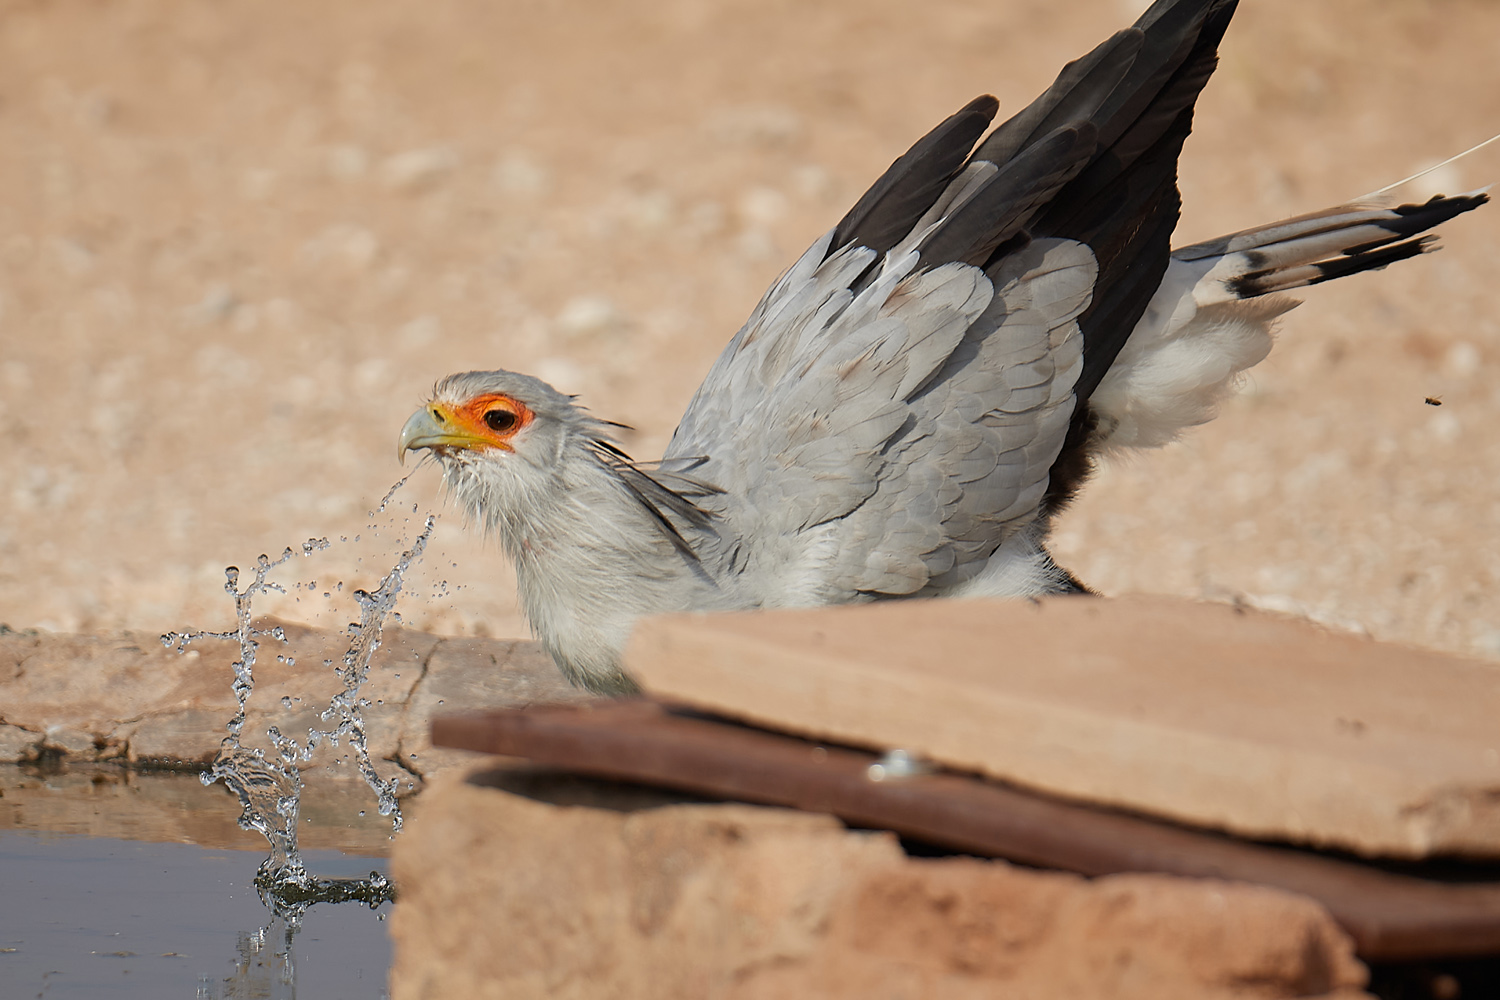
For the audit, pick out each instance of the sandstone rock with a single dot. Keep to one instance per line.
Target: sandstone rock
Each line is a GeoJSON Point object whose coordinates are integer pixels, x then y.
{"type": "Point", "coordinates": [187, 736]}
{"type": "Point", "coordinates": [463, 674]}
{"type": "Point", "coordinates": [87, 683]}
{"type": "Point", "coordinates": [101, 697]}
{"type": "Point", "coordinates": [1259, 724]}
{"type": "Point", "coordinates": [510, 895]}
{"type": "Point", "coordinates": [69, 741]}
{"type": "Point", "coordinates": [18, 744]}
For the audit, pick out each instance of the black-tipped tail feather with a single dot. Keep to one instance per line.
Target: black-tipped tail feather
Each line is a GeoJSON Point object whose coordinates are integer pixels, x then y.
{"type": "Point", "coordinates": [1311, 249]}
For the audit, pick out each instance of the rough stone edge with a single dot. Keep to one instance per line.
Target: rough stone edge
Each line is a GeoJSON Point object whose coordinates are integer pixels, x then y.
{"type": "Point", "coordinates": [116, 742]}
{"type": "Point", "coordinates": [461, 810]}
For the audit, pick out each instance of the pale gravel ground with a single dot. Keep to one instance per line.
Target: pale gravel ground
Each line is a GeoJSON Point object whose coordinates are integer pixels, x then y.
{"type": "Point", "coordinates": [239, 241]}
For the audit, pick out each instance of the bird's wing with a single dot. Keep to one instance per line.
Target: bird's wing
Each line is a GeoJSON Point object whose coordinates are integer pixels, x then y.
{"type": "Point", "coordinates": [890, 443]}
{"type": "Point", "coordinates": [900, 400]}
{"type": "Point", "coordinates": [970, 465]}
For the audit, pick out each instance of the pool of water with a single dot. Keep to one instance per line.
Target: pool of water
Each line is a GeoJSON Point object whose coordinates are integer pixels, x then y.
{"type": "Point", "coordinates": [144, 915]}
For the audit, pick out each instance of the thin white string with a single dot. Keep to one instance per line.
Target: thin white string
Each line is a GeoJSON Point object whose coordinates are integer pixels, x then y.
{"type": "Point", "coordinates": [1422, 173]}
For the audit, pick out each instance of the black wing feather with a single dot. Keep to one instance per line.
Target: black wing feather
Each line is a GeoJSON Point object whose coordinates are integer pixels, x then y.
{"type": "Point", "coordinates": [1007, 201]}
{"type": "Point", "coordinates": [1076, 95]}
{"type": "Point", "coordinates": [1125, 205]}
{"type": "Point", "coordinates": [887, 212]}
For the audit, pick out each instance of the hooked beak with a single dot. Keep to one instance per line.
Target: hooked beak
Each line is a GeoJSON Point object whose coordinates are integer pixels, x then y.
{"type": "Point", "coordinates": [433, 426]}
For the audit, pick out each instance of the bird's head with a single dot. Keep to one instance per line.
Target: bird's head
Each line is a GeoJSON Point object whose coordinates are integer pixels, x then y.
{"type": "Point", "coordinates": [495, 427]}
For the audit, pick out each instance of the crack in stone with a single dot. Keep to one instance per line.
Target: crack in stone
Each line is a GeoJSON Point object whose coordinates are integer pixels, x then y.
{"type": "Point", "coordinates": [400, 758]}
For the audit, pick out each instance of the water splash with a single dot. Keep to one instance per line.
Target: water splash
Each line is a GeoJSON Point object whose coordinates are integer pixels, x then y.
{"type": "Point", "coordinates": [385, 501]}
{"type": "Point", "coordinates": [269, 791]}
{"type": "Point", "coordinates": [374, 607]}
{"type": "Point", "coordinates": [270, 787]}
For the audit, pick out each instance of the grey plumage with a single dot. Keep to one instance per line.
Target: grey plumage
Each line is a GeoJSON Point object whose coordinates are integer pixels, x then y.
{"type": "Point", "coordinates": [912, 401]}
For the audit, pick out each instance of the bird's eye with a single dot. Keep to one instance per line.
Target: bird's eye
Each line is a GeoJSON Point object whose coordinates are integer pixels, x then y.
{"type": "Point", "coordinates": [500, 420]}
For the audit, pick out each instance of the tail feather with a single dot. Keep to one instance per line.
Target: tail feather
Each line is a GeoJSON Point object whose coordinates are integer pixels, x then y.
{"type": "Point", "coordinates": [1212, 316]}
{"type": "Point", "coordinates": [1282, 279]}
{"type": "Point", "coordinates": [1319, 247]}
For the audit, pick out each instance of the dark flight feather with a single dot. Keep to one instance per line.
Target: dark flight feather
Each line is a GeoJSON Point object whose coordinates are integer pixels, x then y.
{"type": "Point", "coordinates": [886, 212]}
{"type": "Point", "coordinates": [1076, 95]}
{"type": "Point", "coordinates": [1008, 200]}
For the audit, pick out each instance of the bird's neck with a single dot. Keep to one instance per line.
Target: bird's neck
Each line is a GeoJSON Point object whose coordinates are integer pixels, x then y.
{"type": "Point", "coordinates": [590, 562]}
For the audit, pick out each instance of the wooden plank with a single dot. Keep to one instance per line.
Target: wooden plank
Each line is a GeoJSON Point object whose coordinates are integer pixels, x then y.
{"type": "Point", "coordinates": [1390, 915]}
{"type": "Point", "coordinates": [1261, 725]}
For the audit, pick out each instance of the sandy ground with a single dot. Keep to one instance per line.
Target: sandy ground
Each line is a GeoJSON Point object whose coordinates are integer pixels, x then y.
{"type": "Point", "coordinates": [239, 241]}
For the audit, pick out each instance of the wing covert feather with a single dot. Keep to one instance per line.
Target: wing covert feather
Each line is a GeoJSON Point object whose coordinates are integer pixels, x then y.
{"type": "Point", "coordinates": [888, 440]}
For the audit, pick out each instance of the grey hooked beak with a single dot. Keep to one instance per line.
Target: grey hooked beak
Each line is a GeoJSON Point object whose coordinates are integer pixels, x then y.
{"type": "Point", "coordinates": [421, 431]}
{"type": "Point", "coordinates": [433, 426]}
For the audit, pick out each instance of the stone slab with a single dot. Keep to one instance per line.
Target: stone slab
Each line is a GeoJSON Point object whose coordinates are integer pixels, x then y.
{"type": "Point", "coordinates": [462, 674]}
{"type": "Point", "coordinates": [125, 696]}
{"type": "Point", "coordinates": [581, 893]}
{"type": "Point", "coordinates": [1419, 912]}
{"type": "Point", "coordinates": [1262, 725]}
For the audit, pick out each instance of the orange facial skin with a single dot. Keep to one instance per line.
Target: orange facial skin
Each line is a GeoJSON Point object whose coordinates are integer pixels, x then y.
{"type": "Point", "coordinates": [477, 418]}
{"type": "Point", "coordinates": [478, 424]}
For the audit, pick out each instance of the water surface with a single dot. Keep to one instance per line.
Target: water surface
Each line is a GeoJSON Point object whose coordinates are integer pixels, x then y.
{"type": "Point", "coordinates": [98, 917]}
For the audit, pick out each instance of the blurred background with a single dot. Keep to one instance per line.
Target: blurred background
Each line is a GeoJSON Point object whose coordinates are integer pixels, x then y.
{"type": "Point", "coordinates": [240, 240]}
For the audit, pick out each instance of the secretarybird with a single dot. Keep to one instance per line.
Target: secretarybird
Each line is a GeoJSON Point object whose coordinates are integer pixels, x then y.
{"type": "Point", "coordinates": [913, 401]}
